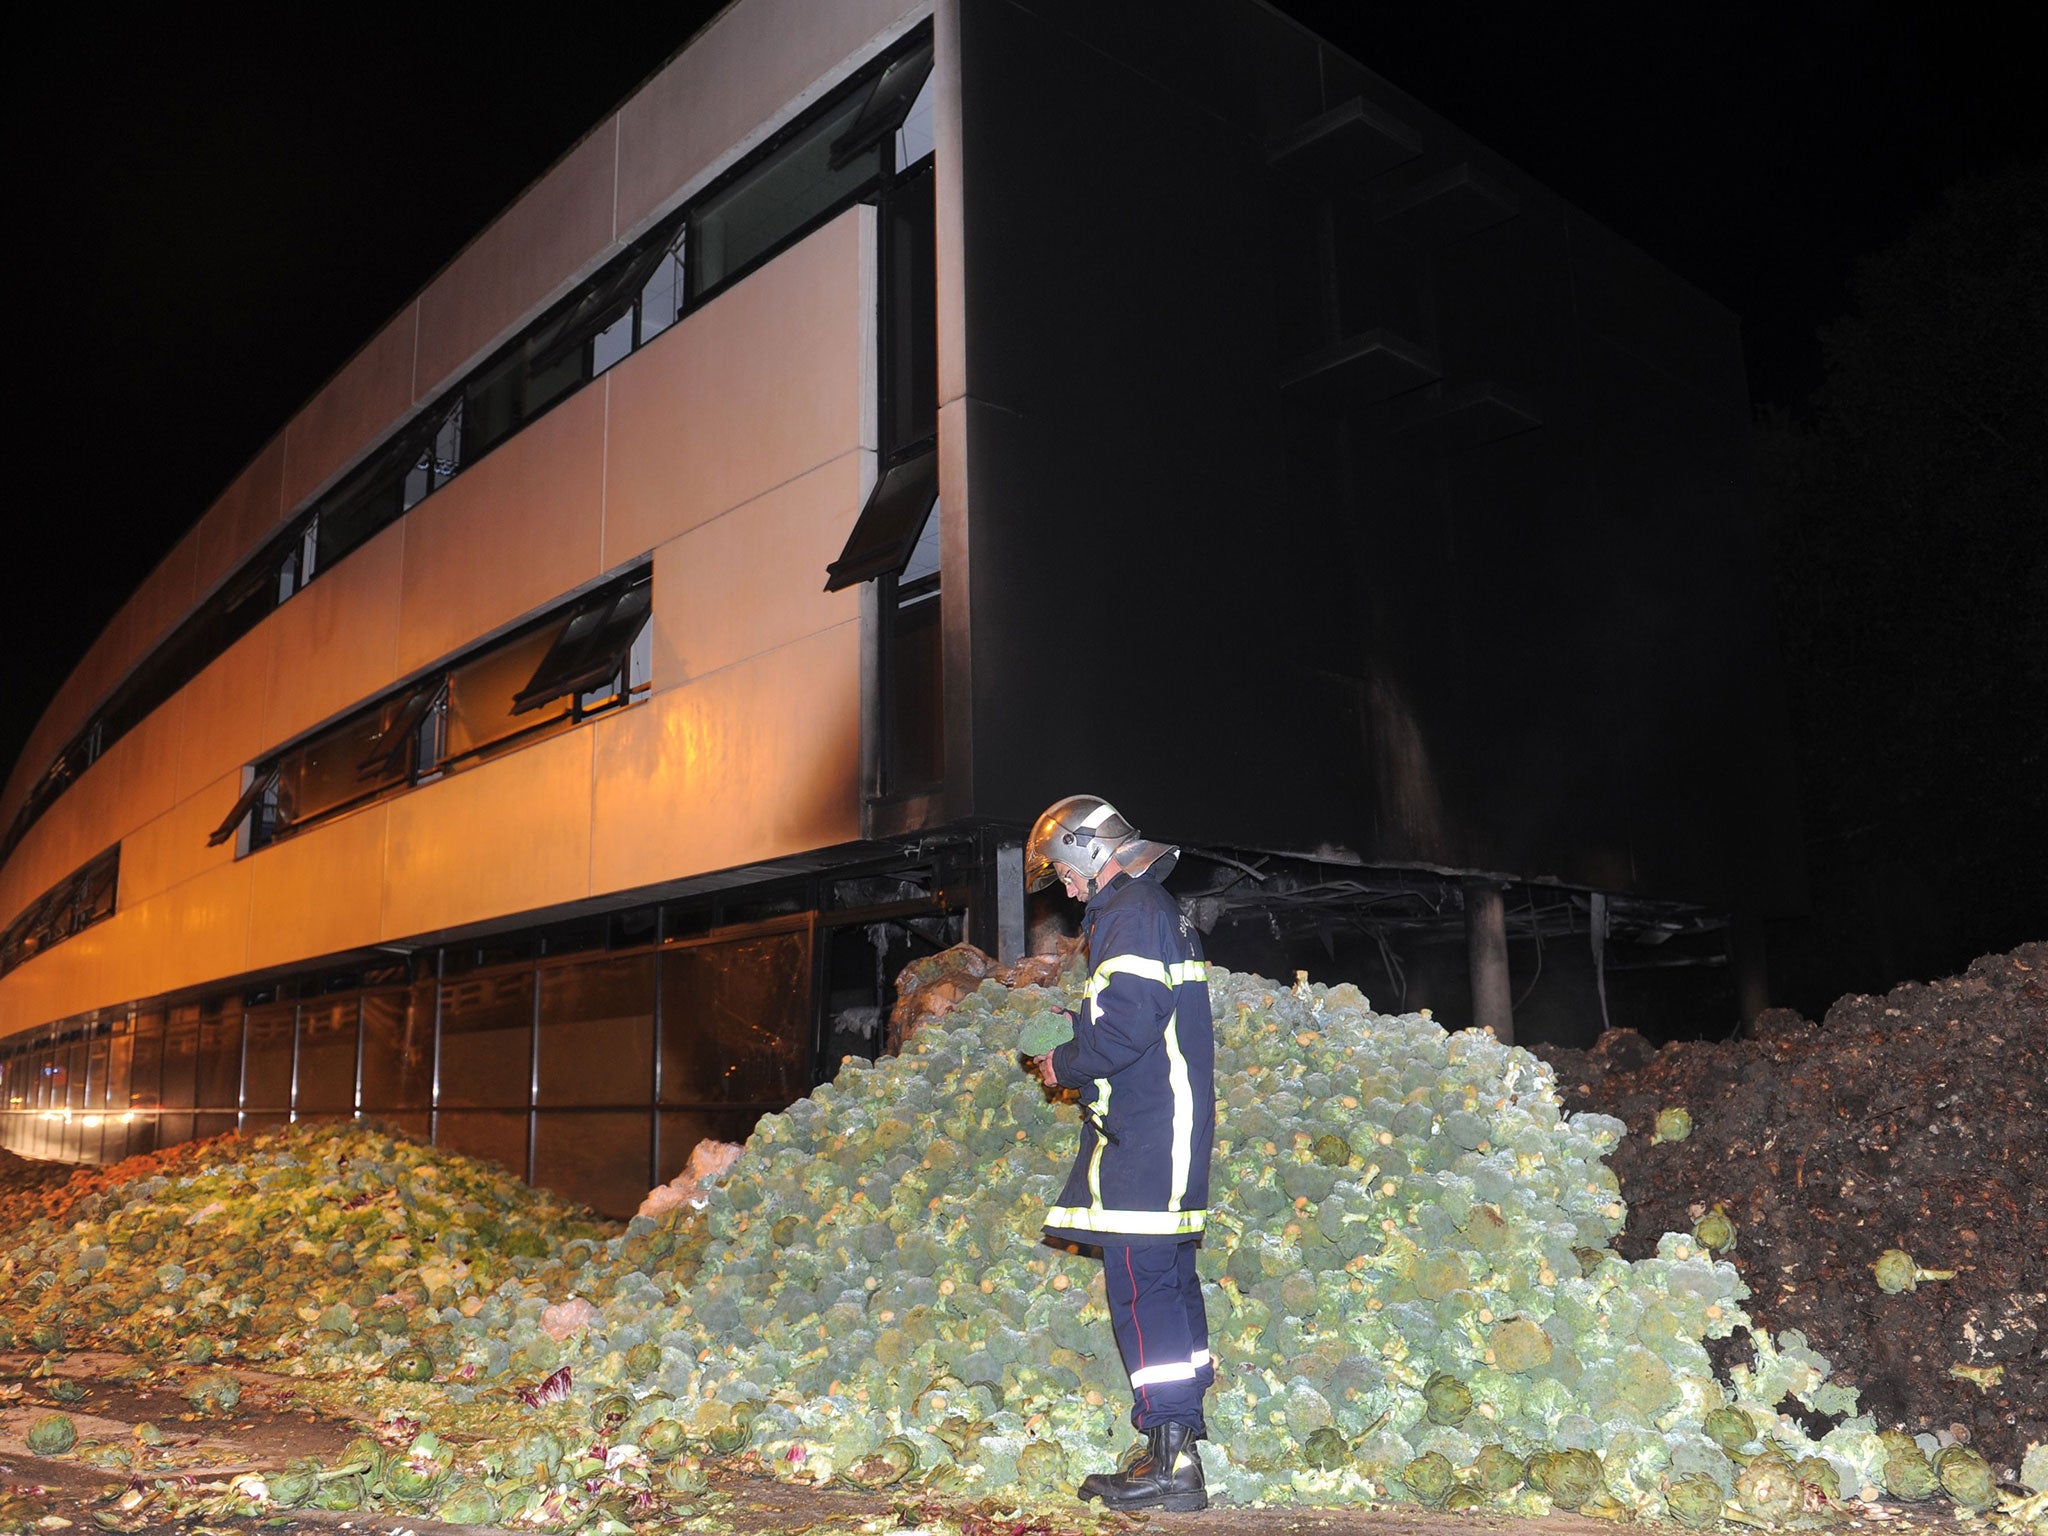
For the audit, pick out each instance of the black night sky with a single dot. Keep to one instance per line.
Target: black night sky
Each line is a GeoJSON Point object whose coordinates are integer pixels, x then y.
{"type": "Point", "coordinates": [206, 221]}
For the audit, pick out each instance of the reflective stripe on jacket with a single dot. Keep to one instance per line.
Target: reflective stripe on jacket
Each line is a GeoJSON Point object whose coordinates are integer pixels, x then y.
{"type": "Point", "coordinates": [1143, 1056]}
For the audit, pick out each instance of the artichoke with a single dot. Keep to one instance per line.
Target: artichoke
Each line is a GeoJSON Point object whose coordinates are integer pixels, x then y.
{"type": "Point", "coordinates": [339, 1491]}
{"type": "Point", "coordinates": [52, 1435]}
{"type": "Point", "coordinates": [1694, 1502]}
{"type": "Point", "coordinates": [663, 1439]}
{"type": "Point", "coordinates": [416, 1474]}
{"type": "Point", "coordinates": [1818, 1473]}
{"type": "Point", "coordinates": [1907, 1473]}
{"type": "Point", "coordinates": [1673, 1124]}
{"type": "Point", "coordinates": [685, 1475]}
{"type": "Point", "coordinates": [468, 1504]}
{"type": "Point", "coordinates": [1430, 1477]}
{"type": "Point", "coordinates": [1498, 1470]}
{"type": "Point", "coordinates": [411, 1365]}
{"type": "Point", "coordinates": [295, 1484]}
{"type": "Point", "coordinates": [1449, 1400]}
{"type": "Point", "coordinates": [363, 1455]}
{"type": "Point", "coordinates": [1571, 1478]}
{"type": "Point", "coordinates": [1769, 1488]}
{"type": "Point", "coordinates": [1729, 1428]}
{"type": "Point", "coordinates": [1714, 1231]}
{"type": "Point", "coordinates": [1966, 1477]}
{"type": "Point", "coordinates": [1326, 1449]}
{"type": "Point", "coordinates": [1461, 1498]}
{"type": "Point", "coordinates": [65, 1390]}
{"type": "Point", "coordinates": [896, 1458]}
{"type": "Point", "coordinates": [610, 1411]}
{"type": "Point", "coordinates": [1896, 1272]}
{"type": "Point", "coordinates": [536, 1453]}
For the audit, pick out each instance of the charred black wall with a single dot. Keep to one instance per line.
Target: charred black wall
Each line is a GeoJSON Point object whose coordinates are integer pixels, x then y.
{"type": "Point", "coordinates": [1485, 596]}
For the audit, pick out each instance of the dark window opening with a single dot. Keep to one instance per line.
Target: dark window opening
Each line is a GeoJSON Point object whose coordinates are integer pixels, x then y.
{"type": "Point", "coordinates": [913, 736]}
{"type": "Point", "coordinates": [899, 86]}
{"type": "Point", "coordinates": [910, 314]}
{"type": "Point", "coordinates": [587, 656]}
{"type": "Point", "coordinates": [888, 527]}
{"type": "Point", "coordinates": [80, 899]}
{"type": "Point", "coordinates": [260, 785]}
{"type": "Point", "coordinates": [592, 649]}
{"type": "Point", "coordinates": [799, 183]}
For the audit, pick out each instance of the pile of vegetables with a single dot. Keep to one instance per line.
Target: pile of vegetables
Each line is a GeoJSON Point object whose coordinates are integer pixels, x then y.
{"type": "Point", "coordinates": [1411, 1294]}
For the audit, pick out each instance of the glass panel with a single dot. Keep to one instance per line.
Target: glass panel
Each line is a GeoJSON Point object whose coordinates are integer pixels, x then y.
{"type": "Point", "coordinates": [74, 1075]}
{"type": "Point", "coordinates": [915, 139]}
{"type": "Point", "coordinates": [347, 523]}
{"type": "Point", "coordinates": [547, 382]}
{"type": "Point", "coordinates": [398, 1049]}
{"type": "Point", "coordinates": [220, 1054]}
{"type": "Point", "coordinates": [96, 1070]}
{"type": "Point", "coordinates": [682, 1129]}
{"type": "Point", "coordinates": [480, 694]}
{"type": "Point", "coordinates": [267, 1066]}
{"type": "Point", "coordinates": [418, 481]}
{"type": "Point", "coordinates": [145, 1075]}
{"type": "Point", "coordinates": [490, 407]}
{"type": "Point", "coordinates": [181, 1057]}
{"type": "Point", "coordinates": [910, 339]}
{"type": "Point", "coordinates": [612, 343]}
{"type": "Point", "coordinates": [120, 1067]}
{"type": "Point", "coordinates": [736, 1020]}
{"type": "Point", "coordinates": [777, 198]}
{"type": "Point", "coordinates": [924, 554]}
{"type": "Point", "coordinates": [661, 301]}
{"type": "Point", "coordinates": [253, 1122]}
{"type": "Point", "coordinates": [487, 1039]}
{"type": "Point", "coordinates": [204, 1126]}
{"type": "Point", "coordinates": [327, 1056]}
{"type": "Point", "coordinates": [326, 773]}
{"type": "Point", "coordinates": [914, 746]}
{"type": "Point", "coordinates": [497, 1138]}
{"type": "Point", "coordinates": [599, 1160]}
{"type": "Point", "coordinates": [597, 1032]}
{"type": "Point", "coordinates": [173, 1127]}
{"type": "Point", "coordinates": [447, 447]}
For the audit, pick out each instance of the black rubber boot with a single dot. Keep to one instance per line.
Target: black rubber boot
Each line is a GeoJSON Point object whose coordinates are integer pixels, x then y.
{"type": "Point", "coordinates": [1165, 1474]}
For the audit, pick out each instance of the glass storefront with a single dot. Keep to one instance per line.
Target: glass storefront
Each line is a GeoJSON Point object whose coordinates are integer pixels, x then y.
{"type": "Point", "coordinates": [588, 1060]}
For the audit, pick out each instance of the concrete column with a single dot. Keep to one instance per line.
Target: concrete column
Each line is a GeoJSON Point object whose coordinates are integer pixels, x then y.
{"type": "Point", "coordinates": [1010, 925]}
{"type": "Point", "coordinates": [1486, 950]}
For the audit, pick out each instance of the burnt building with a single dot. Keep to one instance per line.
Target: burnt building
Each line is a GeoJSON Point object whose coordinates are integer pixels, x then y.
{"type": "Point", "coordinates": [892, 417]}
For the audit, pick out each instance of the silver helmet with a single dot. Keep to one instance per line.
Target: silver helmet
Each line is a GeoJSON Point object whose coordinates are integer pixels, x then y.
{"type": "Point", "coordinates": [1084, 832]}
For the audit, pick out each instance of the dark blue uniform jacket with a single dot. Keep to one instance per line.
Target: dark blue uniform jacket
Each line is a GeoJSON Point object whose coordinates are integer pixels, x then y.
{"type": "Point", "coordinates": [1144, 1057]}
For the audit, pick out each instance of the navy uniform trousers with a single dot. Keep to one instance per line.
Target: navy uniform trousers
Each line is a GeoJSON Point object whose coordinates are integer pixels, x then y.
{"type": "Point", "coordinates": [1162, 1329]}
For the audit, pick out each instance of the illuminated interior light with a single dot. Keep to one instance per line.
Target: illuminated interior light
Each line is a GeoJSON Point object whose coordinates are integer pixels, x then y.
{"type": "Point", "coordinates": [92, 1122]}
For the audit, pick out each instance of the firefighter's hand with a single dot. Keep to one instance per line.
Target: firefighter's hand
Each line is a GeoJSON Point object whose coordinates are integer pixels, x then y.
{"type": "Point", "coordinates": [1046, 1075]}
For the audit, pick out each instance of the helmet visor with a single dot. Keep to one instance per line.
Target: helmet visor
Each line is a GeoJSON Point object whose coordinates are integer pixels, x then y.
{"type": "Point", "coordinates": [1038, 872]}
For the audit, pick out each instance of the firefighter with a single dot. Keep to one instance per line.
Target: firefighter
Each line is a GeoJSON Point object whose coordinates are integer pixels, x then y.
{"type": "Point", "coordinates": [1143, 1057]}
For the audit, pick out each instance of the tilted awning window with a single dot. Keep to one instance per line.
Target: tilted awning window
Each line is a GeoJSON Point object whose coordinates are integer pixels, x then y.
{"type": "Point", "coordinates": [887, 529]}
{"type": "Point", "coordinates": [592, 647]}
{"type": "Point", "coordinates": [603, 301]}
{"type": "Point", "coordinates": [387, 752]}
{"type": "Point", "coordinates": [890, 101]}
{"type": "Point", "coordinates": [242, 806]}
